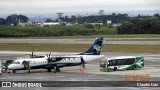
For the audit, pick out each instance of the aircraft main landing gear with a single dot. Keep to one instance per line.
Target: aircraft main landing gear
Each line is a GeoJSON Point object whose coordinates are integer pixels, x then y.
{"type": "Point", "coordinates": [56, 70]}
{"type": "Point", "coordinates": [14, 71]}
{"type": "Point", "coordinates": [29, 71]}
{"type": "Point", "coordinates": [49, 69]}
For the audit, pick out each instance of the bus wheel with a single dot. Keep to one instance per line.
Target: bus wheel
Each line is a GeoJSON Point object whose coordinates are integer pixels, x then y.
{"type": "Point", "coordinates": [115, 68]}
{"type": "Point", "coordinates": [134, 67]}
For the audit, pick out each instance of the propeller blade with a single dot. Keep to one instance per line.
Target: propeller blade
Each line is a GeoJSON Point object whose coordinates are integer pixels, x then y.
{"type": "Point", "coordinates": [32, 54]}
{"type": "Point", "coordinates": [49, 58]}
{"type": "Point", "coordinates": [47, 55]}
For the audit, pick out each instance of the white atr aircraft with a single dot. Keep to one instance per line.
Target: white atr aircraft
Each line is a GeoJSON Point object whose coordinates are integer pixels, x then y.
{"type": "Point", "coordinates": [56, 62]}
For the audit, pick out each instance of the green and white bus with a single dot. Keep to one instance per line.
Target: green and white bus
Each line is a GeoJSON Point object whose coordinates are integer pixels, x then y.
{"type": "Point", "coordinates": [122, 63]}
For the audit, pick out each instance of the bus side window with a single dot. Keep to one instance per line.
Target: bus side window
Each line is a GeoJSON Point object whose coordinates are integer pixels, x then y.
{"type": "Point", "coordinates": [123, 62]}
{"type": "Point", "coordinates": [129, 62]}
{"type": "Point", "coordinates": [114, 63]}
{"type": "Point", "coordinates": [119, 62]}
{"type": "Point", "coordinates": [132, 60]}
{"type": "Point", "coordinates": [126, 62]}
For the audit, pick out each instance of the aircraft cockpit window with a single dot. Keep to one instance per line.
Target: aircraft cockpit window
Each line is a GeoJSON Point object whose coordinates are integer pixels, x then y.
{"type": "Point", "coordinates": [16, 62]}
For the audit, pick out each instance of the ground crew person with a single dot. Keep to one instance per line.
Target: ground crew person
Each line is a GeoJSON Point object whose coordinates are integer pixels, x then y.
{"type": "Point", "coordinates": [26, 65]}
{"type": "Point", "coordinates": [82, 62]}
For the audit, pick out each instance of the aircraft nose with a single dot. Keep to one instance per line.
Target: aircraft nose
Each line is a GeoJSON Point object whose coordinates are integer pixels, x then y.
{"type": "Point", "coordinates": [11, 67]}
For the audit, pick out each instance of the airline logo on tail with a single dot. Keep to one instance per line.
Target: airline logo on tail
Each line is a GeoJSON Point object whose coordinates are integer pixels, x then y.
{"type": "Point", "coordinates": [95, 49]}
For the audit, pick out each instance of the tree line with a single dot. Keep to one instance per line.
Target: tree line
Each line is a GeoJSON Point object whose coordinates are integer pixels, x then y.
{"type": "Point", "coordinates": [129, 25]}
{"type": "Point", "coordinates": [14, 19]}
{"type": "Point", "coordinates": [115, 18]}
{"type": "Point", "coordinates": [140, 26]}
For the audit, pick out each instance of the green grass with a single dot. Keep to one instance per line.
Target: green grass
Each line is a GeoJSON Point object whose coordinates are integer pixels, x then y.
{"type": "Point", "coordinates": [95, 36]}
{"type": "Point", "coordinates": [80, 48]}
{"type": "Point", "coordinates": [141, 39]}
{"type": "Point", "coordinates": [58, 30]}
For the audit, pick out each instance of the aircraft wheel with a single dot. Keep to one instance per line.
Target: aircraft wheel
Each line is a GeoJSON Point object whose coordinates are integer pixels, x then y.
{"type": "Point", "coordinates": [55, 70]}
{"type": "Point", "coordinates": [29, 71]}
{"type": "Point", "coordinates": [49, 70]}
{"type": "Point", "coordinates": [58, 69]}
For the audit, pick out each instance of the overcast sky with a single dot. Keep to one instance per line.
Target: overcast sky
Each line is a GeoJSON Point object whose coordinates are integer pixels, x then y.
{"type": "Point", "coordinates": [53, 6]}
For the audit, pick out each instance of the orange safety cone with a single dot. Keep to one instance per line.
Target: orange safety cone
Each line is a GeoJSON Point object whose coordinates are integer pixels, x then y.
{"type": "Point", "coordinates": [82, 70]}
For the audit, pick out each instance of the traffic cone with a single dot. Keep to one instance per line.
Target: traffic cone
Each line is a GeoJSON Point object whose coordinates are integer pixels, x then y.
{"type": "Point", "coordinates": [82, 70]}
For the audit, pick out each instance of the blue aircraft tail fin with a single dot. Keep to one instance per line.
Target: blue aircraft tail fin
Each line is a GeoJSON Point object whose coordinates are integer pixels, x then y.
{"type": "Point", "coordinates": [95, 49]}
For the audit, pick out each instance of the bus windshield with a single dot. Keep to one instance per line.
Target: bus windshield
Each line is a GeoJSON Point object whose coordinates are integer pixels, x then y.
{"type": "Point", "coordinates": [117, 62]}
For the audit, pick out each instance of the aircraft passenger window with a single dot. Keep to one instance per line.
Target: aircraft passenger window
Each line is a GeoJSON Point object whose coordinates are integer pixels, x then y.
{"type": "Point", "coordinates": [16, 62]}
